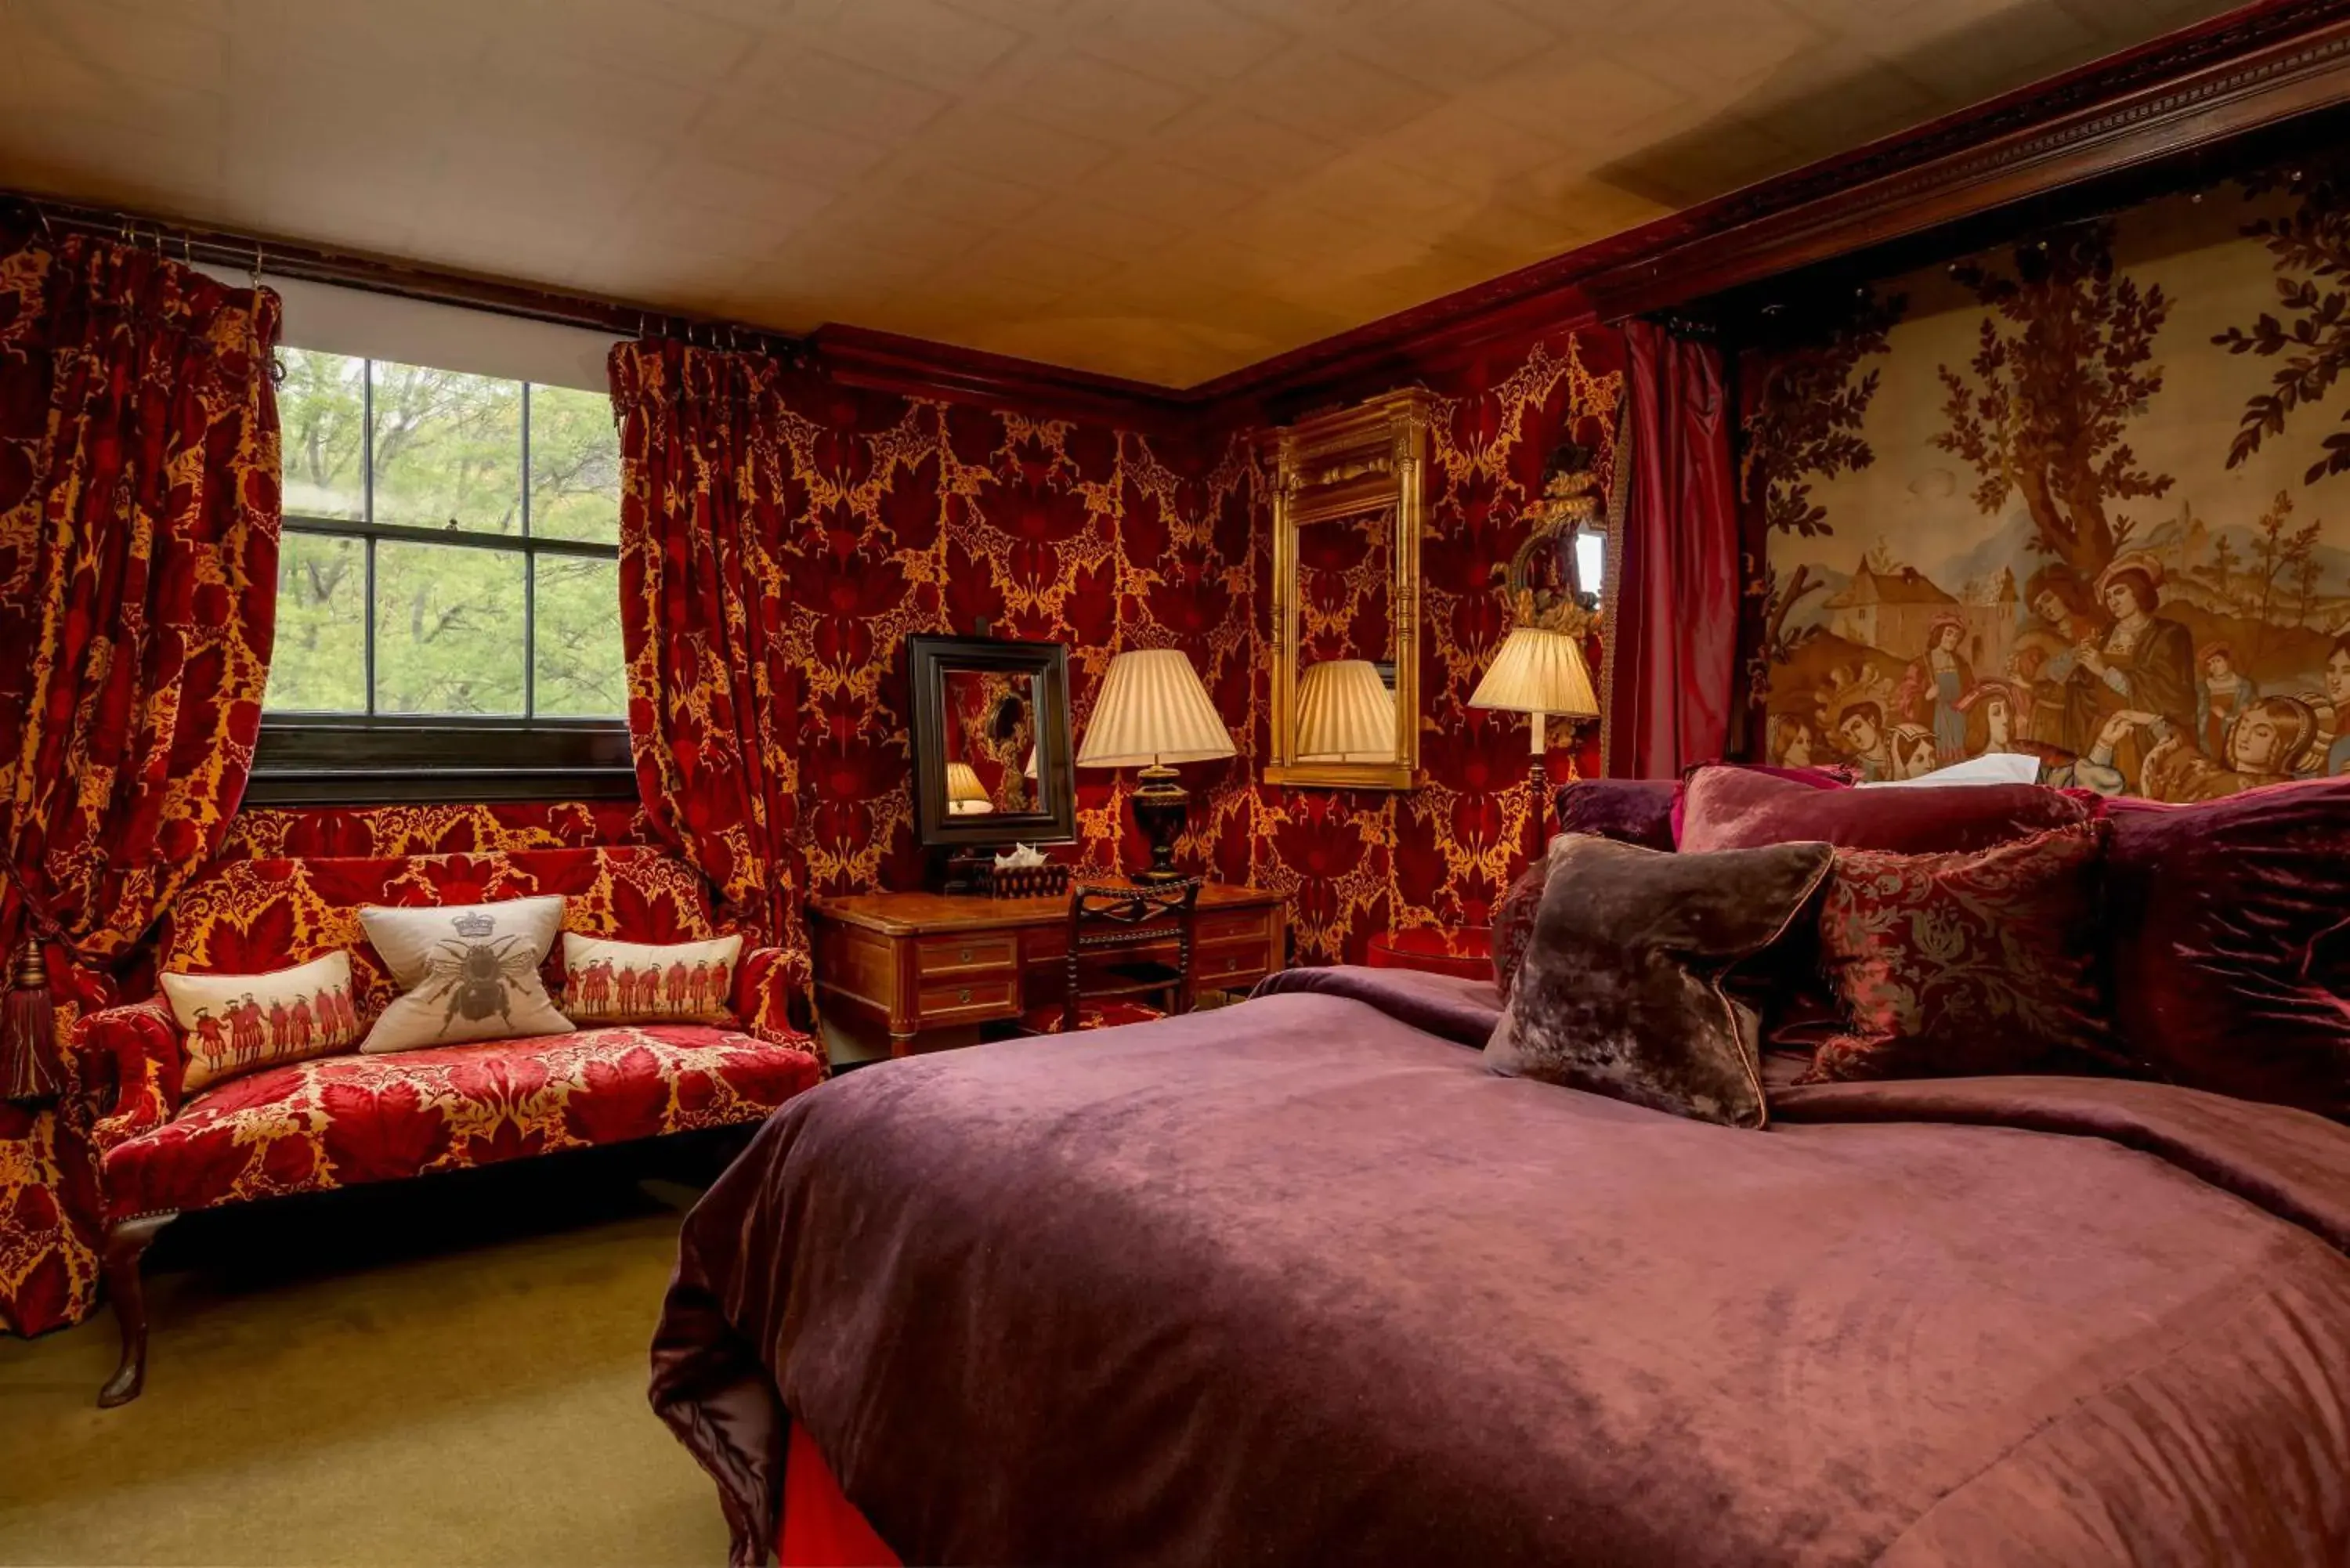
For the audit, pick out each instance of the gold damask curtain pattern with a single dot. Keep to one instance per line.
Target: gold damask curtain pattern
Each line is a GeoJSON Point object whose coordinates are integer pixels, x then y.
{"type": "Point", "coordinates": [139, 517]}
{"type": "Point", "coordinates": [707, 495]}
{"type": "Point", "coordinates": [138, 520]}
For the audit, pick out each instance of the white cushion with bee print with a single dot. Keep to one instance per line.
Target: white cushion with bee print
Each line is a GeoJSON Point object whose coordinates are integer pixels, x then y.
{"type": "Point", "coordinates": [470, 971]}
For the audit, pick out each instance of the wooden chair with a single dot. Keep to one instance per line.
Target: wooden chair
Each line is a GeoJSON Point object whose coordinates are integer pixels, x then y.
{"type": "Point", "coordinates": [1102, 991]}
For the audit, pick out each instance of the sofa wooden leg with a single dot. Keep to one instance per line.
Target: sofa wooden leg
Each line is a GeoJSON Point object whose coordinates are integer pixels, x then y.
{"type": "Point", "coordinates": [127, 1241]}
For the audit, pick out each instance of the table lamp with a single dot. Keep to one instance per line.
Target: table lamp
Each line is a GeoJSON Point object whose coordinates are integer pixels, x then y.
{"type": "Point", "coordinates": [1153, 712]}
{"type": "Point", "coordinates": [966, 797]}
{"type": "Point", "coordinates": [1539, 673]}
{"type": "Point", "coordinates": [1345, 713]}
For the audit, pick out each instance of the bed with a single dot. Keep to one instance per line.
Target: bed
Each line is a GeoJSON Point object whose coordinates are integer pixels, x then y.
{"type": "Point", "coordinates": [1301, 1283]}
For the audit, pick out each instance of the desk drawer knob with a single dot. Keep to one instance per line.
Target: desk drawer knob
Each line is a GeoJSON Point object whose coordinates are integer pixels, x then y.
{"type": "Point", "coordinates": [966, 959]}
{"type": "Point", "coordinates": [964, 994]}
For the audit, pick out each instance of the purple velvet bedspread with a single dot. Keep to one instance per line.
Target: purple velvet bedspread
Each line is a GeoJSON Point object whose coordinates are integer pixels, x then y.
{"type": "Point", "coordinates": [1301, 1283]}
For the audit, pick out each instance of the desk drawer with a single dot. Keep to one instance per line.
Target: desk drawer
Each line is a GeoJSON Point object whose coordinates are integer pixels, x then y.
{"type": "Point", "coordinates": [1231, 926]}
{"type": "Point", "coordinates": [937, 958]}
{"type": "Point", "coordinates": [1230, 966]}
{"type": "Point", "coordinates": [973, 1001]}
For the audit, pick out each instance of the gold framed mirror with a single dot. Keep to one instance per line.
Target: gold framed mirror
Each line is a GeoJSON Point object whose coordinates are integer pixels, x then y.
{"type": "Point", "coordinates": [1348, 495]}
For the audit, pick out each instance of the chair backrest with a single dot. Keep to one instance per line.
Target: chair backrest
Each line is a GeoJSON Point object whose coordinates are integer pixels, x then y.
{"type": "Point", "coordinates": [1105, 918]}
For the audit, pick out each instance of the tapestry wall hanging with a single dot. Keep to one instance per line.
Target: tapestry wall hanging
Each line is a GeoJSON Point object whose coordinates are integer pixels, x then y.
{"type": "Point", "coordinates": [2086, 497]}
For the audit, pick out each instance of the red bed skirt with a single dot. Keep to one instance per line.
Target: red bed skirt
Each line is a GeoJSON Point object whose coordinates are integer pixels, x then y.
{"type": "Point", "coordinates": [820, 1527]}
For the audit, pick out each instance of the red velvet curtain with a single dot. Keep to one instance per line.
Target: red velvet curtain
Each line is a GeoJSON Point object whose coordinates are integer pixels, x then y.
{"type": "Point", "coordinates": [706, 498]}
{"type": "Point", "coordinates": [139, 515]}
{"type": "Point", "coordinates": [1673, 642]}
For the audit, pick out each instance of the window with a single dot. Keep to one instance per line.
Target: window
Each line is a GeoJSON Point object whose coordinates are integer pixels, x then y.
{"type": "Point", "coordinates": [451, 546]}
{"type": "Point", "coordinates": [448, 590]}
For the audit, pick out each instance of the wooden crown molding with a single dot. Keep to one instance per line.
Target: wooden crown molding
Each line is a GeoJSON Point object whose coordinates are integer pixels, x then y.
{"type": "Point", "coordinates": [2250, 71]}
{"type": "Point", "coordinates": [2251, 68]}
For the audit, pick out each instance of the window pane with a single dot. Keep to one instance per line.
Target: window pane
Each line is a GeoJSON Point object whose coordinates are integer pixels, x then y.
{"type": "Point", "coordinates": [322, 419]}
{"type": "Point", "coordinates": [321, 662]}
{"type": "Point", "coordinates": [575, 466]}
{"type": "Point", "coordinates": [448, 450]}
{"type": "Point", "coordinates": [579, 662]}
{"type": "Point", "coordinates": [448, 628]}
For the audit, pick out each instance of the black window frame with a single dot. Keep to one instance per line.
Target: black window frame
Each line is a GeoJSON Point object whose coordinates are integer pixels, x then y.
{"type": "Point", "coordinates": [361, 758]}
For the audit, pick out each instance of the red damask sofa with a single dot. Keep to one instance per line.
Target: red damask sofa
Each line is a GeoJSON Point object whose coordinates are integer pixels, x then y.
{"type": "Point", "coordinates": [341, 1120]}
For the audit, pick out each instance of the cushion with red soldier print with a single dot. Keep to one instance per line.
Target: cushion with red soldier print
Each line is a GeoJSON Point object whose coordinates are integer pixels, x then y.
{"type": "Point", "coordinates": [470, 972]}
{"type": "Point", "coordinates": [242, 1023]}
{"type": "Point", "coordinates": [608, 981]}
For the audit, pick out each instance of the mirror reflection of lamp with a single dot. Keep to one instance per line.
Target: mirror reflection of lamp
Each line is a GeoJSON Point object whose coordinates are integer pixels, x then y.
{"type": "Point", "coordinates": [1153, 712]}
{"type": "Point", "coordinates": [1541, 673]}
{"type": "Point", "coordinates": [966, 797]}
{"type": "Point", "coordinates": [1345, 713]}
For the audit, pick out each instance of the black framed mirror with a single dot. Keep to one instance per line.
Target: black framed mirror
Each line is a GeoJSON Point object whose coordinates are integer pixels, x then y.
{"type": "Point", "coordinates": [990, 740]}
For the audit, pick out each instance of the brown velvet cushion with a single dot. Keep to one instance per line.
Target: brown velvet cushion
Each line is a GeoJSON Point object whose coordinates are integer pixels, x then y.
{"type": "Point", "coordinates": [1629, 811]}
{"type": "Point", "coordinates": [1619, 992]}
{"type": "Point", "coordinates": [1739, 809]}
{"type": "Point", "coordinates": [2229, 938]}
{"type": "Point", "coordinates": [1965, 965]}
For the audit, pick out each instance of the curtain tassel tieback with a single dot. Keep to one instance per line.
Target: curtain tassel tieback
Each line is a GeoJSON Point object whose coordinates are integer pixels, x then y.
{"type": "Point", "coordinates": [28, 1028]}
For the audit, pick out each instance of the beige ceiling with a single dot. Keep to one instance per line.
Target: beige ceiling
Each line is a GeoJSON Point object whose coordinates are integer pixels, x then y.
{"type": "Point", "coordinates": [1161, 189]}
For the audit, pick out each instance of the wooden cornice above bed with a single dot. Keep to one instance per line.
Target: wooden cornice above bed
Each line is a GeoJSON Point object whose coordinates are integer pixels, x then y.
{"type": "Point", "coordinates": [2146, 109]}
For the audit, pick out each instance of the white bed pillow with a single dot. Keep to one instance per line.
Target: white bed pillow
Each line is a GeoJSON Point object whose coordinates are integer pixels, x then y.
{"type": "Point", "coordinates": [469, 971]}
{"type": "Point", "coordinates": [1990, 768]}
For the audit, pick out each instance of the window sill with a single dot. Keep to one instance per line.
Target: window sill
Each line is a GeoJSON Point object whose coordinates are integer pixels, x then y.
{"type": "Point", "coordinates": [329, 761]}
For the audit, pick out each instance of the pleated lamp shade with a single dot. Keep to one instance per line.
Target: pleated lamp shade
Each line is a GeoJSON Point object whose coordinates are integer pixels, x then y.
{"type": "Point", "coordinates": [1153, 710]}
{"type": "Point", "coordinates": [966, 797]}
{"type": "Point", "coordinates": [1345, 713]}
{"type": "Point", "coordinates": [1538, 671]}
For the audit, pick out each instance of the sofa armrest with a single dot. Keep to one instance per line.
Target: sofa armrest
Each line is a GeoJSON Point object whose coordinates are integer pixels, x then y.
{"type": "Point", "coordinates": [136, 1050]}
{"type": "Point", "coordinates": [771, 995]}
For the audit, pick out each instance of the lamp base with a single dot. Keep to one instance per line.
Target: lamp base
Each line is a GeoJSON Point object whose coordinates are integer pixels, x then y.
{"type": "Point", "coordinates": [1537, 809]}
{"type": "Point", "coordinates": [1161, 805]}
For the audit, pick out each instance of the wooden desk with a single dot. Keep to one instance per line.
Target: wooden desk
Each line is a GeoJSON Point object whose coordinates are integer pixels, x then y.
{"type": "Point", "coordinates": [919, 971]}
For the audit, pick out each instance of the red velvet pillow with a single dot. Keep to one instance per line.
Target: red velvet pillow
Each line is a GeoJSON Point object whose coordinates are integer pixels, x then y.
{"type": "Point", "coordinates": [1962, 965]}
{"type": "Point", "coordinates": [1513, 920]}
{"type": "Point", "coordinates": [1743, 808]}
{"type": "Point", "coordinates": [2229, 938]}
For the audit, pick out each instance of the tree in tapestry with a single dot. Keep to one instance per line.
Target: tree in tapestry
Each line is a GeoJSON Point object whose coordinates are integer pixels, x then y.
{"type": "Point", "coordinates": [2049, 501]}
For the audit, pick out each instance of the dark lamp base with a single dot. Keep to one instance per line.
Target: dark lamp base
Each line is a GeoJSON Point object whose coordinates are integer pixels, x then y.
{"type": "Point", "coordinates": [1161, 805]}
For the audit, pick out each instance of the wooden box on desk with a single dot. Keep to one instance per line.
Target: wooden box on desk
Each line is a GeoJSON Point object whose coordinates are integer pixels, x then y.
{"type": "Point", "coordinates": [901, 973]}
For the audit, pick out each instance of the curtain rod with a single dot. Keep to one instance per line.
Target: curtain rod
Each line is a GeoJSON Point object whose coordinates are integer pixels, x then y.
{"type": "Point", "coordinates": [257, 256]}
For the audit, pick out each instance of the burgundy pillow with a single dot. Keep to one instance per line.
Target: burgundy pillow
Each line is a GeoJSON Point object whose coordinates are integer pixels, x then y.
{"type": "Point", "coordinates": [1741, 808]}
{"type": "Point", "coordinates": [2229, 938]}
{"type": "Point", "coordinates": [1969, 964]}
{"type": "Point", "coordinates": [1513, 920]}
{"type": "Point", "coordinates": [1628, 811]}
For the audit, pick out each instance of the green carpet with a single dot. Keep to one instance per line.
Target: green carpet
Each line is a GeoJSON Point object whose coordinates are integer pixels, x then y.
{"type": "Point", "coordinates": [449, 1371]}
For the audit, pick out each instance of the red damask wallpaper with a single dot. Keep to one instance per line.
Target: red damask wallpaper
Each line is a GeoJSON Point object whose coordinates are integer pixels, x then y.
{"type": "Point", "coordinates": [1355, 863]}
{"type": "Point", "coordinates": [927, 517]}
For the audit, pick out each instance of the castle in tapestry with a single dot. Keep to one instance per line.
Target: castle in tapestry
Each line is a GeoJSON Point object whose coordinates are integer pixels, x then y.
{"type": "Point", "coordinates": [2085, 499]}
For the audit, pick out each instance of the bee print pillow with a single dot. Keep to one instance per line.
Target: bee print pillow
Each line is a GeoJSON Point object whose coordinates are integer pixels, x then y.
{"type": "Point", "coordinates": [607, 981]}
{"type": "Point", "coordinates": [234, 1023]}
{"type": "Point", "coordinates": [466, 972]}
